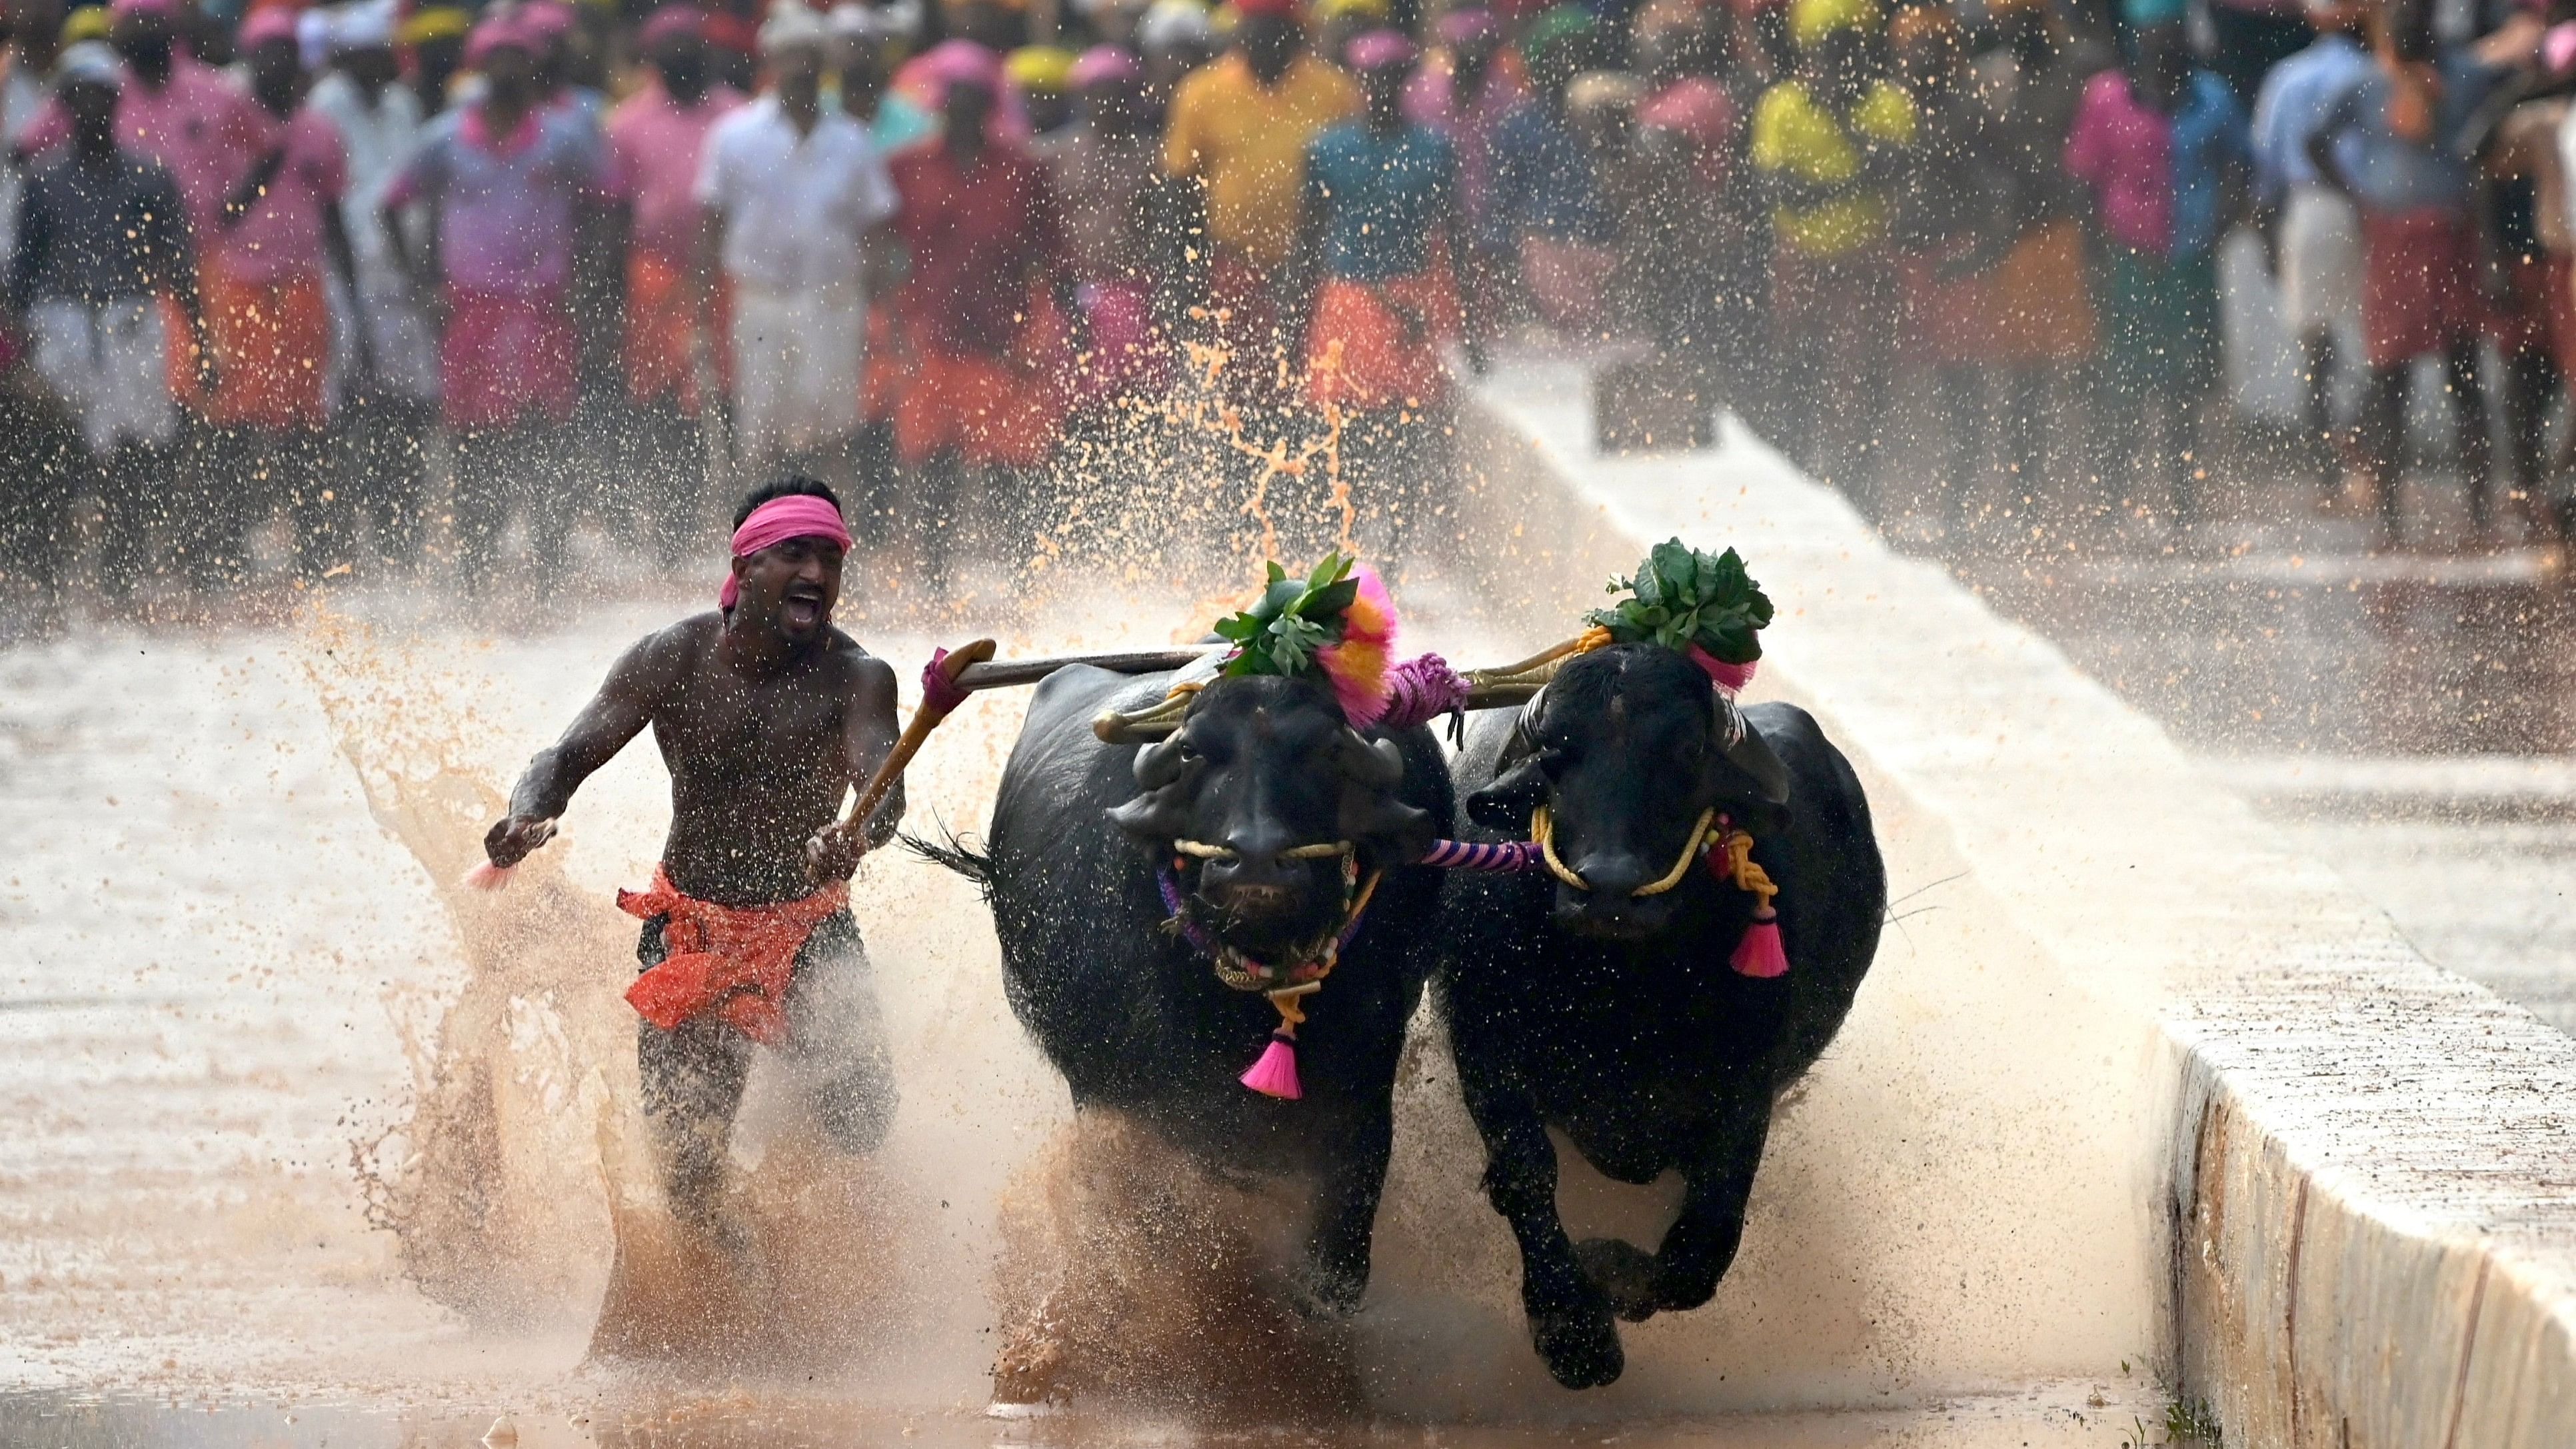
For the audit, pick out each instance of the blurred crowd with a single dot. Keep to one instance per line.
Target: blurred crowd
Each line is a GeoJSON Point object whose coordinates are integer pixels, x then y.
{"type": "Point", "coordinates": [398, 282]}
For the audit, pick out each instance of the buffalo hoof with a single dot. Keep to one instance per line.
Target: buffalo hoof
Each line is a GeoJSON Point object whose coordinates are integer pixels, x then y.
{"type": "Point", "coordinates": [1625, 1274]}
{"type": "Point", "coordinates": [1580, 1347]}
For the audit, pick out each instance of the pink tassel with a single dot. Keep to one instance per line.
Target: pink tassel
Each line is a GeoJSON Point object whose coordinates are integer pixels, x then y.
{"type": "Point", "coordinates": [1759, 954]}
{"type": "Point", "coordinates": [486, 876]}
{"type": "Point", "coordinates": [1275, 1075]}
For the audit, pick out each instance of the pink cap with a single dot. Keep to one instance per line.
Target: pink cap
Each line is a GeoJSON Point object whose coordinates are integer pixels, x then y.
{"type": "Point", "coordinates": [1379, 50]}
{"type": "Point", "coordinates": [493, 34]}
{"type": "Point", "coordinates": [673, 22]}
{"type": "Point", "coordinates": [963, 62]}
{"type": "Point", "coordinates": [268, 24]}
{"type": "Point", "coordinates": [1459, 27]}
{"type": "Point", "coordinates": [1104, 64]}
{"type": "Point", "coordinates": [544, 21]}
{"type": "Point", "coordinates": [2558, 47]}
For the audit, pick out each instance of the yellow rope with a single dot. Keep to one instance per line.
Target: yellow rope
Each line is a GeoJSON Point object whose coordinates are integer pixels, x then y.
{"type": "Point", "coordinates": [1543, 830]}
{"type": "Point", "coordinates": [1747, 874]}
{"type": "Point", "coordinates": [1690, 854]}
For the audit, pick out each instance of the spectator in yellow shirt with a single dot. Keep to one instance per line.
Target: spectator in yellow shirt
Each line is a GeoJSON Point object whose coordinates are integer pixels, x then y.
{"type": "Point", "coordinates": [1241, 125]}
{"type": "Point", "coordinates": [1828, 144]}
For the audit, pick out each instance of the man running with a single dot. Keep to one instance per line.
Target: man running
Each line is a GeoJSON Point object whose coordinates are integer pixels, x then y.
{"type": "Point", "coordinates": [766, 716]}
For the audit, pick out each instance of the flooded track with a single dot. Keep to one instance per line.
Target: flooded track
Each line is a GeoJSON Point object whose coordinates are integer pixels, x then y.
{"type": "Point", "coordinates": [297, 1128]}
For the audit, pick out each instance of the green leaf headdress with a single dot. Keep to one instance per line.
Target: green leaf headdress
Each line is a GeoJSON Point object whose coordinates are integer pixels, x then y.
{"type": "Point", "coordinates": [1336, 621]}
{"type": "Point", "coordinates": [1704, 605]}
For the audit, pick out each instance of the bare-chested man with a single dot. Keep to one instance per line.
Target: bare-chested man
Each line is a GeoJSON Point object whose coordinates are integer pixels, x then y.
{"type": "Point", "coordinates": [766, 715]}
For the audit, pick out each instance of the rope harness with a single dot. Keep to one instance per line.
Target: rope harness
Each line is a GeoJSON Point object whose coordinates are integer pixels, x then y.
{"type": "Point", "coordinates": [1275, 1074]}
{"type": "Point", "coordinates": [1728, 851]}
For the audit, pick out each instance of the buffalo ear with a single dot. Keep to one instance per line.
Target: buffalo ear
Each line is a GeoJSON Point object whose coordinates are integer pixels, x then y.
{"type": "Point", "coordinates": [1156, 815]}
{"type": "Point", "coordinates": [1753, 758]}
{"type": "Point", "coordinates": [1160, 763]}
{"type": "Point", "coordinates": [1383, 827]}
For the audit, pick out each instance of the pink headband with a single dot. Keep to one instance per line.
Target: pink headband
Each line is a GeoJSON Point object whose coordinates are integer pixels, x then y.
{"type": "Point", "coordinates": [1104, 63]}
{"type": "Point", "coordinates": [798, 515]}
{"type": "Point", "coordinates": [265, 25]}
{"type": "Point", "coordinates": [1379, 50]}
{"type": "Point", "coordinates": [963, 62]}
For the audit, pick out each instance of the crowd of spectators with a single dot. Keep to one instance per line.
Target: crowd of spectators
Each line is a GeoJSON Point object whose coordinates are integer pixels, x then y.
{"type": "Point", "coordinates": [408, 277]}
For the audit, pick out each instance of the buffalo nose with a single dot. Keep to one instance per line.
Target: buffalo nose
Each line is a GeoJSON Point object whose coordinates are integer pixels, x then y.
{"type": "Point", "coordinates": [1251, 879]}
{"type": "Point", "coordinates": [1614, 876]}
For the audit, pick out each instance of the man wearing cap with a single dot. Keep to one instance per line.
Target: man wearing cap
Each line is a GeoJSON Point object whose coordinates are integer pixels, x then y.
{"type": "Point", "coordinates": [1464, 94]}
{"type": "Point", "coordinates": [978, 409]}
{"type": "Point", "coordinates": [1379, 221]}
{"type": "Point", "coordinates": [656, 140]}
{"type": "Point", "coordinates": [1828, 145]}
{"type": "Point", "coordinates": [101, 237]}
{"type": "Point", "coordinates": [766, 716]}
{"type": "Point", "coordinates": [2315, 234]}
{"type": "Point", "coordinates": [789, 192]}
{"type": "Point", "coordinates": [498, 181]}
{"type": "Point", "coordinates": [387, 389]}
{"type": "Point", "coordinates": [1241, 126]}
{"type": "Point", "coordinates": [2042, 332]}
{"type": "Point", "coordinates": [174, 109]}
{"type": "Point", "coordinates": [1106, 180]}
{"type": "Point", "coordinates": [1041, 79]}
{"type": "Point", "coordinates": [262, 266]}
{"type": "Point", "coordinates": [435, 38]}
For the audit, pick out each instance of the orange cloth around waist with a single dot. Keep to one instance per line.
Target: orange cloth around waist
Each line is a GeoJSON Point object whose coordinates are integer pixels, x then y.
{"type": "Point", "coordinates": [1004, 410]}
{"type": "Point", "coordinates": [661, 322]}
{"type": "Point", "coordinates": [734, 960]}
{"type": "Point", "coordinates": [271, 340]}
{"type": "Point", "coordinates": [1377, 344]}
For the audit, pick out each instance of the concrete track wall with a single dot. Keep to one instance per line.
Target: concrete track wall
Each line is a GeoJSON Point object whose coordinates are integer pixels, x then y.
{"type": "Point", "coordinates": [2356, 1173]}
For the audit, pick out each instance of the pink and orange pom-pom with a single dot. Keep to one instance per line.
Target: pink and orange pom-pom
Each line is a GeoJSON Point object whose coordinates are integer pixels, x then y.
{"type": "Point", "coordinates": [1357, 665]}
{"type": "Point", "coordinates": [485, 876]}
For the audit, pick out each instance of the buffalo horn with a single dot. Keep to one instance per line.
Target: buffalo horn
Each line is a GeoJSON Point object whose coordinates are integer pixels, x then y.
{"type": "Point", "coordinates": [1510, 684]}
{"type": "Point", "coordinates": [1375, 766]}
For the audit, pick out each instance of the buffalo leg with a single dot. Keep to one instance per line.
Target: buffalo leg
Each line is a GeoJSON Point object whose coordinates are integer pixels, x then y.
{"type": "Point", "coordinates": [1346, 1215]}
{"type": "Point", "coordinates": [1569, 1317]}
{"type": "Point", "coordinates": [1701, 1245]}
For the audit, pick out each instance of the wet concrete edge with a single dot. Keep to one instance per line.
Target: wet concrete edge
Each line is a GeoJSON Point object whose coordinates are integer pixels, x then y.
{"type": "Point", "coordinates": [2368, 1164]}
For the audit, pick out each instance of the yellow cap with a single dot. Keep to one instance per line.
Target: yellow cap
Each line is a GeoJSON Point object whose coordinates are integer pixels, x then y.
{"type": "Point", "coordinates": [87, 23]}
{"type": "Point", "coordinates": [1039, 67]}
{"type": "Point", "coordinates": [439, 22]}
{"type": "Point", "coordinates": [1810, 21]}
{"type": "Point", "coordinates": [1339, 9]}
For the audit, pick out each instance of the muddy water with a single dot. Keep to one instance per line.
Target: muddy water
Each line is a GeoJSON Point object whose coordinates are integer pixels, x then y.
{"type": "Point", "coordinates": [294, 1121]}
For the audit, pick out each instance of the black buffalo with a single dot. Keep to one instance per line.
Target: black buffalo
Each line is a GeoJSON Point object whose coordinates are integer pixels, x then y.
{"type": "Point", "coordinates": [1267, 771]}
{"type": "Point", "coordinates": [1615, 1017]}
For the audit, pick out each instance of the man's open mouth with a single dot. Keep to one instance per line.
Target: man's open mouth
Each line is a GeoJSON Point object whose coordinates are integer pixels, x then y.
{"type": "Point", "coordinates": [801, 610]}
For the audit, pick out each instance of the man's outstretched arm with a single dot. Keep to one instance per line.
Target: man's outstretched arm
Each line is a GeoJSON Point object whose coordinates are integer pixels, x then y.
{"type": "Point", "coordinates": [867, 736]}
{"type": "Point", "coordinates": [617, 714]}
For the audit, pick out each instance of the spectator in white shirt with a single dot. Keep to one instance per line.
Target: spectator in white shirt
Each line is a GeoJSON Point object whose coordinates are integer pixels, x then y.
{"type": "Point", "coordinates": [791, 191]}
{"type": "Point", "coordinates": [384, 354]}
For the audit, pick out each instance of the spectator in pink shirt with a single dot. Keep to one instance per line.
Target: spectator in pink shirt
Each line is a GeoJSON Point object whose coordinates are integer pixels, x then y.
{"type": "Point", "coordinates": [268, 316]}
{"type": "Point", "coordinates": [655, 140]}
{"type": "Point", "coordinates": [500, 179]}
{"type": "Point", "coordinates": [173, 109]}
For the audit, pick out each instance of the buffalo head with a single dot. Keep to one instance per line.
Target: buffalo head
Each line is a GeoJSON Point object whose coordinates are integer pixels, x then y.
{"type": "Point", "coordinates": [1263, 779]}
{"type": "Point", "coordinates": [1626, 747]}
